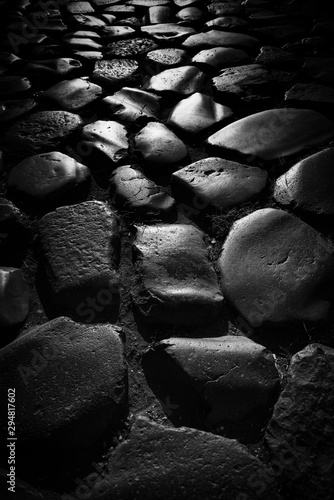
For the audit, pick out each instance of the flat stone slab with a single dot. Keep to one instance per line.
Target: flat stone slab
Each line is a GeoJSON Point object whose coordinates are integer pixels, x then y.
{"type": "Point", "coordinates": [168, 31]}
{"type": "Point", "coordinates": [300, 434]}
{"type": "Point", "coordinates": [221, 57]}
{"type": "Point", "coordinates": [81, 250]}
{"type": "Point", "coordinates": [219, 183]}
{"type": "Point", "coordinates": [73, 95]}
{"type": "Point", "coordinates": [185, 80]}
{"type": "Point", "coordinates": [133, 191]}
{"type": "Point", "coordinates": [309, 184]}
{"type": "Point", "coordinates": [47, 175]}
{"type": "Point", "coordinates": [162, 59]}
{"type": "Point", "coordinates": [106, 138]}
{"type": "Point", "coordinates": [197, 113]}
{"type": "Point", "coordinates": [64, 397]}
{"type": "Point", "coordinates": [115, 32]}
{"type": "Point", "coordinates": [177, 458]}
{"type": "Point", "coordinates": [176, 283]}
{"type": "Point", "coordinates": [274, 269]}
{"type": "Point", "coordinates": [274, 133]}
{"type": "Point", "coordinates": [217, 38]}
{"type": "Point", "coordinates": [159, 146]}
{"type": "Point", "coordinates": [115, 71]}
{"type": "Point", "coordinates": [14, 297]}
{"type": "Point", "coordinates": [310, 93]}
{"type": "Point", "coordinates": [231, 376]}
{"type": "Point", "coordinates": [14, 108]}
{"type": "Point", "coordinates": [129, 105]}
{"type": "Point", "coordinates": [130, 48]}
{"type": "Point", "coordinates": [79, 8]}
{"type": "Point", "coordinates": [61, 66]}
{"type": "Point", "coordinates": [43, 130]}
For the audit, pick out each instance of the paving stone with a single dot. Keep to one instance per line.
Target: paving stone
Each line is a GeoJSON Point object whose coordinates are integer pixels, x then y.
{"type": "Point", "coordinates": [14, 297]}
{"type": "Point", "coordinates": [84, 34]}
{"type": "Point", "coordinates": [130, 21]}
{"type": "Point", "coordinates": [74, 43]}
{"type": "Point", "coordinates": [148, 3]}
{"type": "Point", "coordinates": [104, 3]}
{"type": "Point", "coordinates": [231, 376]}
{"type": "Point", "coordinates": [162, 59]}
{"type": "Point", "coordinates": [224, 9]}
{"type": "Point", "coordinates": [121, 9]}
{"type": "Point", "coordinates": [132, 190]}
{"type": "Point", "coordinates": [43, 130]}
{"type": "Point", "coordinates": [309, 184]}
{"type": "Point", "coordinates": [274, 56]}
{"type": "Point", "coordinates": [11, 85]}
{"type": "Point", "coordinates": [159, 146]}
{"type": "Point", "coordinates": [184, 3]}
{"type": "Point", "coordinates": [190, 14]}
{"type": "Point", "coordinates": [14, 108]}
{"type": "Point", "coordinates": [229, 23]}
{"type": "Point", "coordinates": [129, 105]}
{"type": "Point", "coordinates": [267, 18]}
{"type": "Point", "coordinates": [116, 72]}
{"type": "Point", "coordinates": [217, 38]}
{"type": "Point", "coordinates": [50, 51]}
{"type": "Point", "coordinates": [81, 249]}
{"type": "Point", "coordinates": [115, 32]}
{"type": "Point", "coordinates": [185, 80]}
{"type": "Point", "coordinates": [70, 382]}
{"type": "Point", "coordinates": [108, 139]}
{"type": "Point", "coordinates": [47, 176]}
{"type": "Point", "coordinates": [274, 133]}
{"type": "Point", "coordinates": [73, 95]}
{"type": "Point", "coordinates": [300, 435]}
{"type": "Point", "coordinates": [62, 67]}
{"type": "Point", "coordinates": [217, 183]}
{"type": "Point", "coordinates": [274, 269]}
{"type": "Point", "coordinates": [14, 234]}
{"type": "Point", "coordinates": [280, 34]}
{"type": "Point", "coordinates": [243, 81]}
{"type": "Point", "coordinates": [157, 15]}
{"type": "Point", "coordinates": [221, 57]}
{"type": "Point", "coordinates": [167, 31]}
{"type": "Point", "coordinates": [79, 8]}
{"type": "Point", "coordinates": [197, 113]}
{"type": "Point", "coordinates": [89, 55]}
{"type": "Point", "coordinates": [173, 468]}
{"type": "Point", "coordinates": [311, 93]}
{"type": "Point", "coordinates": [130, 48]}
{"type": "Point", "coordinates": [319, 70]}
{"type": "Point", "coordinates": [87, 21]}
{"type": "Point", "coordinates": [176, 284]}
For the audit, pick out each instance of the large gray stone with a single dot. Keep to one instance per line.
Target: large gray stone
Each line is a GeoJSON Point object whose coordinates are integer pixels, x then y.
{"type": "Point", "coordinates": [185, 80]}
{"type": "Point", "coordinates": [217, 38]}
{"type": "Point", "coordinates": [176, 283]}
{"type": "Point", "coordinates": [81, 249]}
{"type": "Point", "coordinates": [221, 57]}
{"type": "Point", "coordinates": [128, 105]}
{"type": "Point", "coordinates": [300, 435]}
{"type": "Point", "coordinates": [130, 48]}
{"type": "Point", "coordinates": [70, 383]}
{"type": "Point", "coordinates": [108, 139]}
{"type": "Point", "coordinates": [115, 71]}
{"type": "Point", "coordinates": [274, 269]}
{"type": "Point", "coordinates": [73, 95]}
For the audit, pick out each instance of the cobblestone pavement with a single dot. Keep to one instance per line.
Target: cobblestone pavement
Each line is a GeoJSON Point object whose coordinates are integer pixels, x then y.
{"type": "Point", "coordinates": [167, 249]}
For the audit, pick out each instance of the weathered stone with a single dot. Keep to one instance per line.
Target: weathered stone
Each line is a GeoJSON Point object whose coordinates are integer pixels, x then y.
{"type": "Point", "coordinates": [130, 48]}
{"type": "Point", "coordinates": [115, 71]}
{"type": "Point", "coordinates": [11, 109]}
{"type": "Point", "coordinates": [148, 3]}
{"type": "Point", "coordinates": [115, 32]}
{"type": "Point", "coordinates": [79, 8]}
{"type": "Point", "coordinates": [70, 383]}
{"type": "Point", "coordinates": [108, 139]}
{"type": "Point", "coordinates": [319, 70]}
{"type": "Point", "coordinates": [176, 282]}
{"type": "Point", "coordinates": [190, 14]}
{"type": "Point", "coordinates": [310, 93]}
{"type": "Point", "coordinates": [197, 113]}
{"type": "Point", "coordinates": [88, 21]}
{"type": "Point", "coordinates": [173, 467]}
{"type": "Point", "coordinates": [43, 130]}
{"type": "Point", "coordinates": [121, 9]}
{"type": "Point", "coordinates": [157, 15]}
{"type": "Point", "coordinates": [73, 95]}
{"type": "Point", "coordinates": [160, 146]}
{"type": "Point", "coordinates": [78, 43]}
{"type": "Point", "coordinates": [81, 248]}
{"type": "Point", "coordinates": [229, 23]}
{"type": "Point", "coordinates": [242, 80]}
{"type": "Point", "coordinates": [167, 31]}
{"type": "Point", "coordinates": [132, 190]}
{"type": "Point", "coordinates": [104, 3]}
{"type": "Point", "coordinates": [85, 34]}
{"type": "Point", "coordinates": [230, 376]}
{"type": "Point", "coordinates": [274, 56]}
{"type": "Point", "coordinates": [14, 297]}
{"type": "Point", "coordinates": [61, 67]}
{"type": "Point", "coordinates": [309, 184]}
{"type": "Point", "coordinates": [89, 55]}
{"type": "Point", "coordinates": [274, 269]}
{"type": "Point", "coordinates": [130, 21]}
{"type": "Point", "coordinates": [162, 59]}
{"type": "Point", "coordinates": [221, 57]}
{"type": "Point", "coordinates": [218, 183]}
{"type": "Point", "coordinates": [224, 8]}
{"type": "Point", "coordinates": [185, 80]}
{"type": "Point", "coordinates": [11, 85]}
{"type": "Point", "coordinates": [217, 38]}
{"type": "Point", "coordinates": [184, 3]}
{"type": "Point", "coordinates": [13, 234]}
{"type": "Point", "coordinates": [300, 435]}
{"type": "Point", "coordinates": [128, 105]}
{"type": "Point", "coordinates": [47, 175]}
{"type": "Point", "coordinates": [274, 133]}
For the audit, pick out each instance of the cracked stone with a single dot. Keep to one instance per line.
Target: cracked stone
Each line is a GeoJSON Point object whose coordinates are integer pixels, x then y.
{"type": "Point", "coordinates": [73, 95]}
{"type": "Point", "coordinates": [185, 80]}
{"type": "Point", "coordinates": [274, 133]}
{"type": "Point", "coordinates": [14, 297]}
{"type": "Point", "coordinates": [159, 146]}
{"type": "Point", "coordinates": [217, 38]}
{"type": "Point", "coordinates": [132, 190]}
{"type": "Point", "coordinates": [300, 435]}
{"type": "Point", "coordinates": [11, 109]}
{"type": "Point", "coordinates": [115, 71]}
{"type": "Point", "coordinates": [309, 184]}
{"type": "Point", "coordinates": [129, 105]}
{"type": "Point", "coordinates": [81, 249]}
{"type": "Point", "coordinates": [62, 354]}
{"type": "Point", "coordinates": [107, 138]}
{"type": "Point", "coordinates": [176, 283]}
{"type": "Point", "coordinates": [47, 175]}
{"type": "Point", "coordinates": [218, 183]}
{"type": "Point", "coordinates": [197, 113]}
{"type": "Point", "coordinates": [43, 130]}
{"type": "Point", "coordinates": [221, 57]}
{"type": "Point", "coordinates": [130, 48]}
{"type": "Point", "coordinates": [274, 269]}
